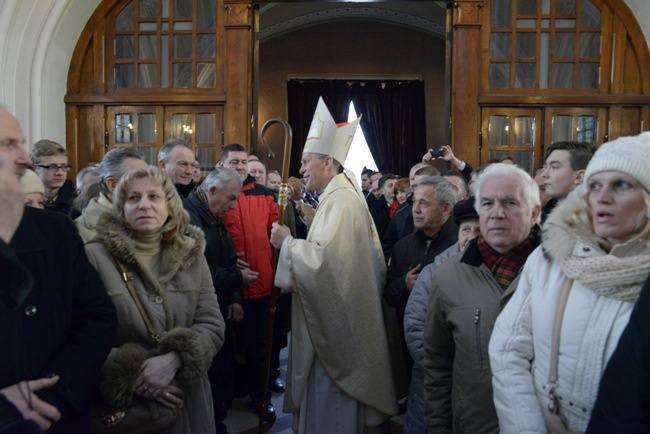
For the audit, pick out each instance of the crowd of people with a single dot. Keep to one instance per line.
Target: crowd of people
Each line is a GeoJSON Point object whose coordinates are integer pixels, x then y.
{"type": "Point", "coordinates": [471, 300]}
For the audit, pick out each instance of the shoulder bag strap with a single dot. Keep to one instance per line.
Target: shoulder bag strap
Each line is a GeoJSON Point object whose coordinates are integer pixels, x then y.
{"type": "Point", "coordinates": [557, 328]}
{"type": "Point", "coordinates": [127, 275]}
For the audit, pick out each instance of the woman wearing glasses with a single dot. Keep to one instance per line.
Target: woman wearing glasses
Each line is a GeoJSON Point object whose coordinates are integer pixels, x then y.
{"type": "Point", "coordinates": [148, 239]}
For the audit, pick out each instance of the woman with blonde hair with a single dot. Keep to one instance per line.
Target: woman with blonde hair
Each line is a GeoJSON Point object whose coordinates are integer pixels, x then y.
{"type": "Point", "coordinates": [552, 341]}
{"type": "Point", "coordinates": [169, 323]}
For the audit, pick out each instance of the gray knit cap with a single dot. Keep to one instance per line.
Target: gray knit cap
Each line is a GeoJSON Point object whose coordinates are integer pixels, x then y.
{"type": "Point", "coordinates": [630, 155]}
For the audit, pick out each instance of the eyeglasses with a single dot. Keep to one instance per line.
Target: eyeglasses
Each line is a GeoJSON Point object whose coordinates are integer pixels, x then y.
{"type": "Point", "coordinates": [54, 167]}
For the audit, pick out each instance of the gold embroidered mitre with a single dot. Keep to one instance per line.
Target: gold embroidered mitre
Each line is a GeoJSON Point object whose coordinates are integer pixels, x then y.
{"type": "Point", "coordinates": [326, 137]}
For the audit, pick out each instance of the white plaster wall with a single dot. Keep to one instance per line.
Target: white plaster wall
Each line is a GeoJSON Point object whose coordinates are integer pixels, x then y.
{"type": "Point", "coordinates": [641, 9]}
{"type": "Point", "coordinates": [37, 38]}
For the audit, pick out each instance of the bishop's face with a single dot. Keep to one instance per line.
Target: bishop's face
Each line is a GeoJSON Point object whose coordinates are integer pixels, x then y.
{"type": "Point", "coordinates": [314, 171]}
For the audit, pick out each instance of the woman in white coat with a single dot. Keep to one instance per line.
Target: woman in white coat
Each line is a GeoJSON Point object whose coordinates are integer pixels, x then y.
{"type": "Point", "coordinates": [600, 245]}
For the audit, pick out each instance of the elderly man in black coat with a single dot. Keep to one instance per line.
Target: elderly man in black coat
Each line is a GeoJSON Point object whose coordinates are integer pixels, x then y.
{"type": "Point", "coordinates": [206, 206]}
{"type": "Point", "coordinates": [58, 325]}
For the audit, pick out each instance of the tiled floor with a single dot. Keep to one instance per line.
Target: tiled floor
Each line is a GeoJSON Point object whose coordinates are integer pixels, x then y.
{"type": "Point", "coordinates": [241, 420]}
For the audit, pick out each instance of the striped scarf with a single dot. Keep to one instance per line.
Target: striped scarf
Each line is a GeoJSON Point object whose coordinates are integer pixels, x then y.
{"type": "Point", "coordinates": [202, 197]}
{"type": "Point", "coordinates": [506, 267]}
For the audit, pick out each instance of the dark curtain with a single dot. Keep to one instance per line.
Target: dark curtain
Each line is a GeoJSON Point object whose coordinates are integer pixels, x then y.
{"type": "Point", "coordinates": [393, 122]}
{"type": "Point", "coordinates": [393, 117]}
{"type": "Point", "coordinates": [303, 97]}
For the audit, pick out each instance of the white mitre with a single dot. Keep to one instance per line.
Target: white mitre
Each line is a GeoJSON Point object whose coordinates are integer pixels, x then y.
{"type": "Point", "coordinates": [327, 137]}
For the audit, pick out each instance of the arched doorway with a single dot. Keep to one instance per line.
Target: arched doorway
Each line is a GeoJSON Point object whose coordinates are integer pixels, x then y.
{"type": "Point", "coordinates": [99, 107]}
{"type": "Point", "coordinates": [146, 71]}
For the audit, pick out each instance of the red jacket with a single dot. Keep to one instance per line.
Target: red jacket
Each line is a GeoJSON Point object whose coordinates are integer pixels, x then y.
{"type": "Point", "coordinates": [249, 225]}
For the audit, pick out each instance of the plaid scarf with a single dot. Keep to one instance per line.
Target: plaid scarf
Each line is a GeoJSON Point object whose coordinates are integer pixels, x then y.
{"type": "Point", "coordinates": [505, 267]}
{"type": "Point", "coordinates": [203, 198]}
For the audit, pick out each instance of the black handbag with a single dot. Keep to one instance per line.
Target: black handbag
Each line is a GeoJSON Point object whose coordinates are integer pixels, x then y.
{"type": "Point", "coordinates": [142, 416]}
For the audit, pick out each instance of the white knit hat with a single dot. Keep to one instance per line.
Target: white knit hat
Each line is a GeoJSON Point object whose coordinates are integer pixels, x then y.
{"type": "Point", "coordinates": [326, 137]}
{"type": "Point", "coordinates": [31, 183]}
{"type": "Point", "coordinates": [630, 155]}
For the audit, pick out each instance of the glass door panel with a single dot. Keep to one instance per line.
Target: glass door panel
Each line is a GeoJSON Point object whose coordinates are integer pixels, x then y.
{"type": "Point", "coordinates": [512, 132]}
{"type": "Point", "coordinates": [137, 127]}
{"type": "Point", "coordinates": [202, 127]}
{"type": "Point", "coordinates": [575, 124]}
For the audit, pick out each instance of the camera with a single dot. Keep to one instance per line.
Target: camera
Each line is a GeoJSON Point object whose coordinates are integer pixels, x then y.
{"type": "Point", "coordinates": [436, 154]}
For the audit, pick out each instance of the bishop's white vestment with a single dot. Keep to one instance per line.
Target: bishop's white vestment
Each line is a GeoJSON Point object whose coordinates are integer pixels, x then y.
{"type": "Point", "coordinates": [339, 365]}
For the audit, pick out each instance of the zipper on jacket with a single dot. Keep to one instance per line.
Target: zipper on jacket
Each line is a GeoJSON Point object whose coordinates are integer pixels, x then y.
{"type": "Point", "coordinates": [477, 323]}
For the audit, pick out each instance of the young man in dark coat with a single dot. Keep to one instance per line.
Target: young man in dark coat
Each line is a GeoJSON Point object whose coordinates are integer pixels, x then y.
{"type": "Point", "coordinates": [51, 165]}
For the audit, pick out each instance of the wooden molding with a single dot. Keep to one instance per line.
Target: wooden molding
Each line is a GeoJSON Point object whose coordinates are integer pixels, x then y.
{"type": "Point", "coordinates": [574, 100]}
{"type": "Point", "coordinates": [467, 13]}
{"type": "Point", "coordinates": [238, 14]}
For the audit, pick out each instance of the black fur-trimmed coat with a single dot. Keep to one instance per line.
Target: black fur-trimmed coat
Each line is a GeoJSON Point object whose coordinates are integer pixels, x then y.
{"type": "Point", "coordinates": [181, 302]}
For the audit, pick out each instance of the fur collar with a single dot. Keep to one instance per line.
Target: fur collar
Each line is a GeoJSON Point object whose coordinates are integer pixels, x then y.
{"type": "Point", "coordinates": [563, 236]}
{"type": "Point", "coordinates": [618, 273]}
{"type": "Point", "coordinates": [559, 236]}
{"type": "Point", "coordinates": [180, 255]}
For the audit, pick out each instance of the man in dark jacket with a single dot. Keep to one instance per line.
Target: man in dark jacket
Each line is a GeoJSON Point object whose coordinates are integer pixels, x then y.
{"type": "Point", "coordinates": [51, 165]}
{"type": "Point", "coordinates": [65, 326]}
{"type": "Point", "coordinates": [366, 183]}
{"type": "Point", "coordinates": [380, 209]}
{"type": "Point", "coordinates": [402, 222]}
{"type": "Point", "coordinates": [207, 206]}
{"type": "Point", "coordinates": [435, 231]}
{"type": "Point", "coordinates": [564, 169]}
{"type": "Point", "coordinates": [16, 284]}
{"type": "Point", "coordinates": [178, 161]}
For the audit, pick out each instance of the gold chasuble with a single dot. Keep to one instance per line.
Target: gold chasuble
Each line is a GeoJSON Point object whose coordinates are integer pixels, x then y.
{"type": "Point", "coordinates": [339, 272]}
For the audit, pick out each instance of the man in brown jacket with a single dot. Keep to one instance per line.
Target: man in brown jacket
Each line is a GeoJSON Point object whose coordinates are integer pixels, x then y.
{"type": "Point", "coordinates": [468, 292]}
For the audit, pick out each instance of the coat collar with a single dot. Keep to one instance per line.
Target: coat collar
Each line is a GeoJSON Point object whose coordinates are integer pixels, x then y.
{"type": "Point", "coordinates": [29, 236]}
{"type": "Point", "coordinates": [194, 203]}
{"type": "Point", "coordinates": [447, 229]}
{"type": "Point", "coordinates": [95, 208]}
{"type": "Point", "coordinates": [180, 255]}
{"type": "Point", "coordinates": [337, 182]}
{"type": "Point", "coordinates": [472, 255]}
